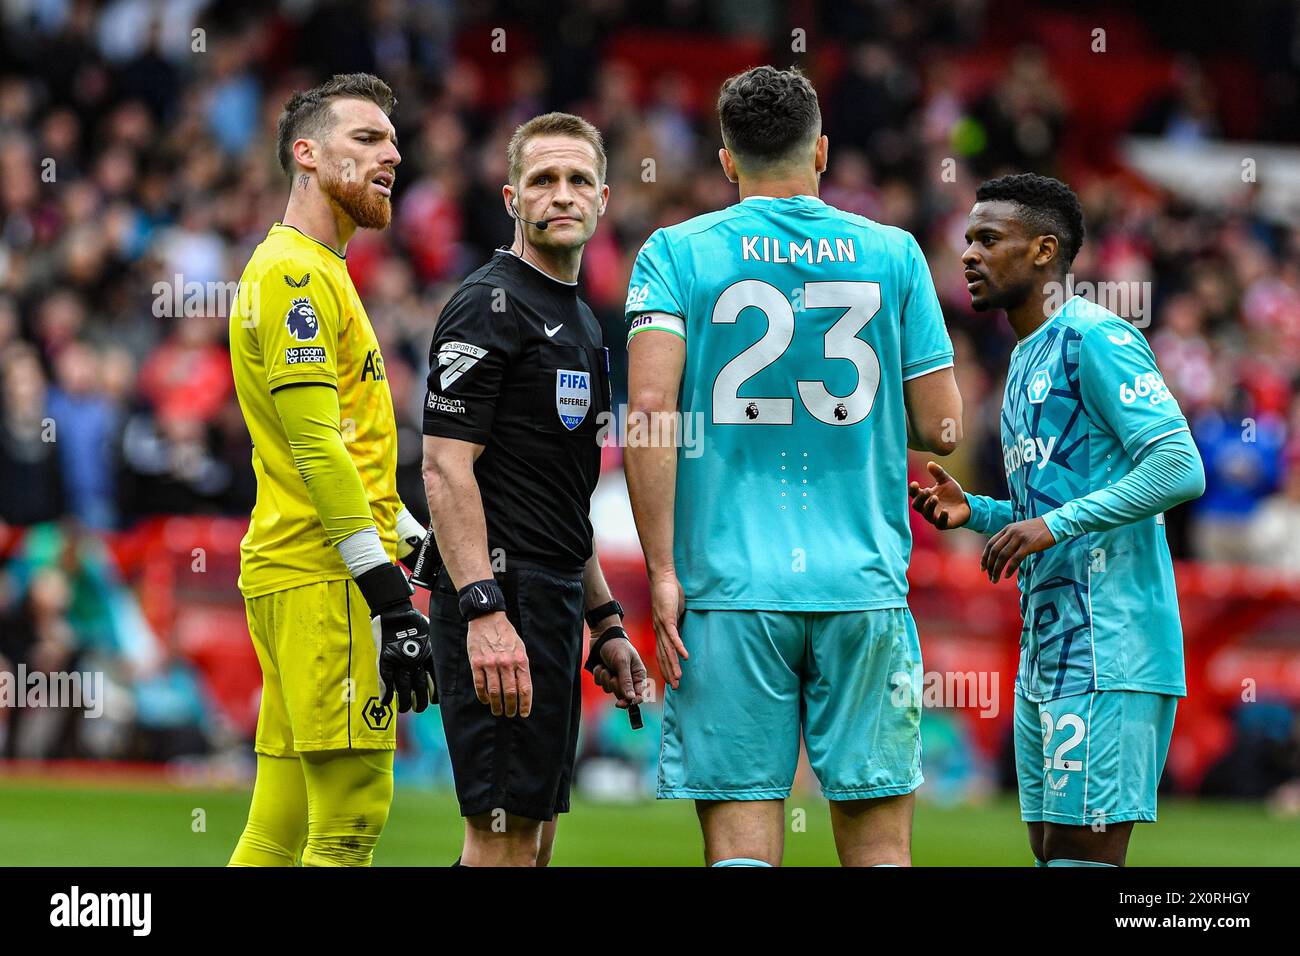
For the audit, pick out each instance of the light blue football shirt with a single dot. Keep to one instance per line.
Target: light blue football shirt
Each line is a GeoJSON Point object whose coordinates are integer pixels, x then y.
{"type": "Point", "coordinates": [801, 323]}
{"type": "Point", "coordinates": [1084, 397]}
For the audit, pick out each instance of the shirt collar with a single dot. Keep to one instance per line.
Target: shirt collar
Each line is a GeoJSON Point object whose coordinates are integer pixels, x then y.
{"type": "Point", "coordinates": [799, 198]}
{"type": "Point", "coordinates": [1050, 319]}
{"type": "Point", "coordinates": [514, 255]}
{"type": "Point", "coordinates": [323, 245]}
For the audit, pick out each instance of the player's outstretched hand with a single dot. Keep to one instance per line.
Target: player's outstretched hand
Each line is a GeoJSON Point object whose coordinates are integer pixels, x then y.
{"type": "Point", "coordinates": [1010, 546]}
{"type": "Point", "coordinates": [499, 661]}
{"type": "Point", "coordinates": [667, 606]}
{"type": "Point", "coordinates": [943, 504]}
{"type": "Point", "coordinates": [621, 671]}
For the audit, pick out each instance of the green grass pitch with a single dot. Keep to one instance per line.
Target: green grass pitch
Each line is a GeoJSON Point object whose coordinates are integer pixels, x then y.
{"type": "Point", "coordinates": [73, 824]}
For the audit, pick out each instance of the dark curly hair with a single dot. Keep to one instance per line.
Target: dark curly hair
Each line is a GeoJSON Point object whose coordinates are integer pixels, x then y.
{"type": "Point", "coordinates": [1049, 208]}
{"type": "Point", "coordinates": [768, 114]}
{"type": "Point", "coordinates": [308, 113]}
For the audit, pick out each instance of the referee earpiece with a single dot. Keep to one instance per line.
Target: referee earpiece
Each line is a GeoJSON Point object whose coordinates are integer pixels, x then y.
{"type": "Point", "coordinates": [541, 224]}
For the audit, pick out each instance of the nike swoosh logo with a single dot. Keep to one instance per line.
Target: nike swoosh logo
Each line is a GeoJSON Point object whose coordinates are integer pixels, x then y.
{"type": "Point", "coordinates": [550, 332]}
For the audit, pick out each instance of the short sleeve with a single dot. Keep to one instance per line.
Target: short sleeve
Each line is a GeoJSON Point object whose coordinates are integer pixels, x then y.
{"type": "Point", "coordinates": [297, 324]}
{"type": "Point", "coordinates": [655, 285]}
{"type": "Point", "coordinates": [926, 346]}
{"type": "Point", "coordinates": [1122, 386]}
{"type": "Point", "coordinates": [474, 342]}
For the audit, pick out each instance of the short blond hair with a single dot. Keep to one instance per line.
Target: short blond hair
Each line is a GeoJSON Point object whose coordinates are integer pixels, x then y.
{"type": "Point", "coordinates": [554, 124]}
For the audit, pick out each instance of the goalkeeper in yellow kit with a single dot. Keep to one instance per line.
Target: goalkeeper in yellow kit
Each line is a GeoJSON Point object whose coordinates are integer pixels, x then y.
{"type": "Point", "coordinates": [329, 612]}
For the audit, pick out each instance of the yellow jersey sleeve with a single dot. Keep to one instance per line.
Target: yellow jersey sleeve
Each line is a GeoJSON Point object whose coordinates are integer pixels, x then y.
{"type": "Point", "coordinates": [310, 417]}
{"type": "Point", "coordinates": [298, 321]}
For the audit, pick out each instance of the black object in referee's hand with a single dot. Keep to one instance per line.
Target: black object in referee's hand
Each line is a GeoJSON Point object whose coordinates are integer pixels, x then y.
{"type": "Point", "coordinates": [616, 632]}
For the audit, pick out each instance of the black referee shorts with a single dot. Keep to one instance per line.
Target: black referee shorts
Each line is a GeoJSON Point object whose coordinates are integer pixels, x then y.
{"type": "Point", "coordinates": [523, 765]}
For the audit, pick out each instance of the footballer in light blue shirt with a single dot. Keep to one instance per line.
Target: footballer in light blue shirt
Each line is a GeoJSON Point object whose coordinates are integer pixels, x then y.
{"type": "Point", "coordinates": [808, 347]}
{"type": "Point", "coordinates": [1095, 450]}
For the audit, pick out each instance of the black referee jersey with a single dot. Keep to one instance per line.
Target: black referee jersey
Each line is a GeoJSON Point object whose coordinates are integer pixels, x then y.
{"type": "Point", "coordinates": [518, 365]}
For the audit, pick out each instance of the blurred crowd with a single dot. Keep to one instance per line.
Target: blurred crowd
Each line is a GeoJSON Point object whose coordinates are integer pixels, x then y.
{"type": "Point", "coordinates": [137, 173]}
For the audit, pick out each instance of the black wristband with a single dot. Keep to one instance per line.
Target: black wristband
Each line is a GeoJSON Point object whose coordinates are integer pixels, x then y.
{"type": "Point", "coordinates": [611, 633]}
{"type": "Point", "coordinates": [479, 598]}
{"type": "Point", "coordinates": [598, 614]}
{"type": "Point", "coordinates": [384, 587]}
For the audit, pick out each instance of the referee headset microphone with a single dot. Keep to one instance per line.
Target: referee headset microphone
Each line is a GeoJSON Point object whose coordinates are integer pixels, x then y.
{"type": "Point", "coordinates": [541, 224]}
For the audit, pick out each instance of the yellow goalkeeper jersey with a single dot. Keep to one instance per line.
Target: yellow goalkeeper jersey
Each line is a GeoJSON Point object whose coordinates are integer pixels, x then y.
{"type": "Point", "coordinates": [298, 320]}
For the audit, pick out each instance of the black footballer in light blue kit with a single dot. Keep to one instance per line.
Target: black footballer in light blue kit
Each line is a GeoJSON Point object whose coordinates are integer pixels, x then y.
{"type": "Point", "coordinates": [1084, 398]}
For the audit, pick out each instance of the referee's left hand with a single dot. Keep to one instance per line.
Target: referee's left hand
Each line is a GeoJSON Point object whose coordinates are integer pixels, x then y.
{"type": "Point", "coordinates": [621, 672]}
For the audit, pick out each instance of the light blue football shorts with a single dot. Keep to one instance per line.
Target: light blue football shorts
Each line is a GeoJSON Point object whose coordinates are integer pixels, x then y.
{"type": "Point", "coordinates": [1092, 758]}
{"type": "Point", "coordinates": [754, 678]}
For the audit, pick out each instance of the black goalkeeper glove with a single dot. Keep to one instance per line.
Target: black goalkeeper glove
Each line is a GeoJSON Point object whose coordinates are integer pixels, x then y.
{"type": "Point", "coordinates": [424, 562]}
{"type": "Point", "coordinates": [401, 635]}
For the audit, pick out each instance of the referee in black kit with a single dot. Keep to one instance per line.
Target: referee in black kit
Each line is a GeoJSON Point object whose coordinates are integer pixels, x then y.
{"type": "Point", "coordinates": [518, 375]}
